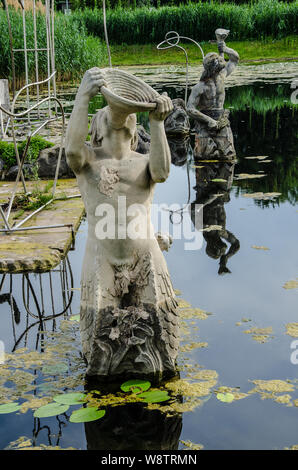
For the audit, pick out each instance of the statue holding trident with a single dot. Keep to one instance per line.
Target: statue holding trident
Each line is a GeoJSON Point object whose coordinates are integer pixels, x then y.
{"type": "Point", "coordinates": [214, 138]}
{"type": "Point", "coordinates": [128, 317]}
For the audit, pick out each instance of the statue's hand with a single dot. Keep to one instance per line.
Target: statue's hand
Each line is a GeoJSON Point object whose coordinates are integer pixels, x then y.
{"type": "Point", "coordinates": [212, 124]}
{"type": "Point", "coordinates": [221, 46]}
{"type": "Point", "coordinates": [92, 82]}
{"type": "Point", "coordinates": [163, 109]}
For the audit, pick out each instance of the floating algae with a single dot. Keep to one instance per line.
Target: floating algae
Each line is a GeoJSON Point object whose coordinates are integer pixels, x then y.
{"type": "Point", "coordinates": [261, 195]}
{"type": "Point", "coordinates": [292, 329]}
{"type": "Point", "coordinates": [24, 443]}
{"type": "Point", "coordinates": [261, 335]}
{"type": "Point", "coordinates": [246, 176]}
{"type": "Point", "coordinates": [291, 284]}
{"type": "Point", "coordinates": [237, 395]}
{"type": "Point", "coordinates": [256, 247]}
{"type": "Point", "coordinates": [190, 346]}
{"type": "Point", "coordinates": [188, 313]}
{"type": "Point", "coordinates": [274, 389]}
{"type": "Point", "coordinates": [191, 445]}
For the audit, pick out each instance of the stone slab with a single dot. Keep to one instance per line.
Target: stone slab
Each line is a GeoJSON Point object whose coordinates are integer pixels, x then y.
{"type": "Point", "coordinates": [40, 250]}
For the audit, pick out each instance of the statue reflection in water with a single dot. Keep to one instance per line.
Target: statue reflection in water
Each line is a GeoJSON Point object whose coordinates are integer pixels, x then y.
{"type": "Point", "coordinates": [213, 184]}
{"type": "Point", "coordinates": [134, 427]}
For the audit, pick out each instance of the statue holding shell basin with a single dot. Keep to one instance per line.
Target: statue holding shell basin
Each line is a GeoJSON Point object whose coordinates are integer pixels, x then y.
{"type": "Point", "coordinates": [128, 317]}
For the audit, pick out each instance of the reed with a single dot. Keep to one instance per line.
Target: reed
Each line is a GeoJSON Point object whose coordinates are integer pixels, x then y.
{"type": "Point", "coordinates": [254, 20]}
{"type": "Point", "coordinates": [75, 49]}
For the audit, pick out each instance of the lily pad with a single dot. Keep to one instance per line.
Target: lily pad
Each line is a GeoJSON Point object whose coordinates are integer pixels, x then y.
{"type": "Point", "coordinates": [75, 317]}
{"type": "Point", "coordinates": [155, 396]}
{"type": "Point", "coordinates": [135, 386]}
{"type": "Point", "coordinates": [9, 408]}
{"type": "Point", "coordinates": [225, 397]}
{"type": "Point", "coordinates": [73, 398]}
{"type": "Point", "coordinates": [52, 409]}
{"type": "Point", "coordinates": [84, 415]}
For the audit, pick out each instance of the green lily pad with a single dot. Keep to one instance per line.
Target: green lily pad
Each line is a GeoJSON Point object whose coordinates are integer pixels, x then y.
{"type": "Point", "coordinates": [225, 397]}
{"type": "Point", "coordinates": [135, 386]}
{"type": "Point", "coordinates": [9, 408]}
{"type": "Point", "coordinates": [155, 396]}
{"type": "Point", "coordinates": [73, 398]}
{"type": "Point", "coordinates": [51, 409]}
{"type": "Point", "coordinates": [84, 415]}
{"type": "Point", "coordinates": [55, 369]}
{"type": "Point", "coordinates": [75, 317]}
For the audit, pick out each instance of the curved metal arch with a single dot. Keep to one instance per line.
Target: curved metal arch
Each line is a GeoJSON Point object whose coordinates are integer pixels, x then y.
{"type": "Point", "coordinates": [174, 36]}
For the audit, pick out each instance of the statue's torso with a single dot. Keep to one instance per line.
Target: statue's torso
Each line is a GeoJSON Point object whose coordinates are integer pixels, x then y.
{"type": "Point", "coordinates": [109, 185]}
{"type": "Point", "coordinates": [213, 96]}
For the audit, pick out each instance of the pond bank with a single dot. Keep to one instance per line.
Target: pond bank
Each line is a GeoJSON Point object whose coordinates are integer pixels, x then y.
{"type": "Point", "coordinates": [268, 50]}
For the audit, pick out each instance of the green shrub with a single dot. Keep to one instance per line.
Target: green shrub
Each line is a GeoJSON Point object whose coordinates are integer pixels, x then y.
{"type": "Point", "coordinates": [7, 152]}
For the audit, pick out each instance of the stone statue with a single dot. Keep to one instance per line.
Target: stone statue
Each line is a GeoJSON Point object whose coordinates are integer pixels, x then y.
{"type": "Point", "coordinates": [177, 123]}
{"type": "Point", "coordinates": [214, 138]}
{"type": "Point", "coordinates": [128, 317]}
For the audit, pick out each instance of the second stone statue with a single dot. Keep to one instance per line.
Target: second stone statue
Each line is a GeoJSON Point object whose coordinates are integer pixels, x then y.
{"type": "Point", "coordinates": [128, 318]}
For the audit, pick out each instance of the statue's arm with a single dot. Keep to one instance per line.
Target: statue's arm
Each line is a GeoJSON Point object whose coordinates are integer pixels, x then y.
{"type": "Point", "coordinates": [233, 57]}
{"type": "Point", "coordinates": [77, 152]}
{"type": "Point", "coordinates": [159, 155]}
{"type": "Point", "coordinates": [193, 103]}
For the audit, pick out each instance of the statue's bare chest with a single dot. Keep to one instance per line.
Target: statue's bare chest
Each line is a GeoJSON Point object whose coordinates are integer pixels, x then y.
{"type": "Point", "coordinates": [111, 176]}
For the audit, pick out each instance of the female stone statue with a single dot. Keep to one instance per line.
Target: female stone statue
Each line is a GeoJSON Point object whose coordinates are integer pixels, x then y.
{"type": "Point", "coordinates": [129, 323]}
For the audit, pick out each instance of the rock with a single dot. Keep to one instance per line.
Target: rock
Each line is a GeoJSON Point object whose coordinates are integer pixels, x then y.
{"type": "Point", "coordinates": [177, 123]}
{"type": "Point", "coordinates": [11, 174]}
{"type": "Point", "coordinates": [47, 162]}
{"type": "Point", "coordinates": [143, 141]}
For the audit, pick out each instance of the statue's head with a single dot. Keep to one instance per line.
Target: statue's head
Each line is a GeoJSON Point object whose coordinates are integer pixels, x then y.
{"type": "Point", "coordinates": [213, 64]}
{"type": "Point", "coordinates": [102, 126]}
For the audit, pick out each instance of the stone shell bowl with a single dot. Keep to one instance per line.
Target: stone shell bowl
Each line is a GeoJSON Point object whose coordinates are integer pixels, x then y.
{"type": "Point", "coordinates": [126, 92]}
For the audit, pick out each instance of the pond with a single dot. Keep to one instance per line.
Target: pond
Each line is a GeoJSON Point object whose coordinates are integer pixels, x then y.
{"type": "Point", "coordinates": [238, 385]}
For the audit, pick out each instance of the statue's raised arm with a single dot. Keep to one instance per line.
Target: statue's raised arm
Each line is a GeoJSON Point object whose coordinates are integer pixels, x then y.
{"type": "Point", "coordinates": [77, 152]}
{"type": "Point", "coordinates": [159, 156]}
{"type": "Point", "coordinates": [232, 54]}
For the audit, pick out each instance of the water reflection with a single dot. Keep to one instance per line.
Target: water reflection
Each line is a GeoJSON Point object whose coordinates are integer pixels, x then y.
{"type": "Point", "coordinates": [213, 185]}
{"type": "Point", "coordinates": [38, 296]}
{"type": "Point", "coordinates": [134, 427]}
{"type": "Point", "coordinates": [179, 147]}
{"type": "Point", "coordinates": [264, 122]}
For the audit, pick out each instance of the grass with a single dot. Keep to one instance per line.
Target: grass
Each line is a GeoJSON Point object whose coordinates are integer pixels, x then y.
{"type": "Point", "coordinates": [249, 51]}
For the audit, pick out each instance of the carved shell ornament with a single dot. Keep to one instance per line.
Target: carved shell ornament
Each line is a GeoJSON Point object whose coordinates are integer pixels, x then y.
{"type": "Point", "coordinates": [127, 93]}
